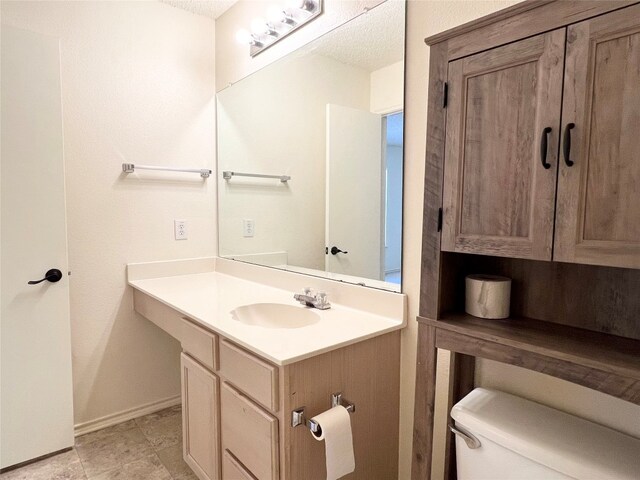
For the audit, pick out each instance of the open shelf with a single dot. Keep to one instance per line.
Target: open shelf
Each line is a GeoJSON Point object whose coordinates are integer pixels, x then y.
{"type": "Point", "coordinates": [604, 362]}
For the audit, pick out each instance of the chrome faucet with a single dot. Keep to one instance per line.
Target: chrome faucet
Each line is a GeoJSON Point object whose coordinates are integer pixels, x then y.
{"type": "Point", "coordinates": [309, 299]}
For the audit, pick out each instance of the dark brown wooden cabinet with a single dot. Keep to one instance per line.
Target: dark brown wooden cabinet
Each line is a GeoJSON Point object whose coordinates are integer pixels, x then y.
{"type": "Point", "coordinates": [532, 171]}
{"type": "Point", "coordinates": [598, 207]}
{"type": "Point", "coordinates": [503, 108]}
{"type": "Point", "coordinates": [522, 117]}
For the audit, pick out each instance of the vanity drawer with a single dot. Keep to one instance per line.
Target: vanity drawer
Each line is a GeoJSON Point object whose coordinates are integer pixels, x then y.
{"type": "Point", "coordinates": [200, 344]}
{"type": "Point", "coordinates": [232, 469]}
{"type": "Point", "coordinates": [250, 433]}
{"type": "Point", "coordinates": [250, 374]}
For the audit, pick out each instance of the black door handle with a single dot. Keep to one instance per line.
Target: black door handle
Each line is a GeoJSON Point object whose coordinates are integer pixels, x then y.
{"type": "Point", "coordinates": [566, 144]}
{"type": "Point", "coordinates": [336, 250]}
{"type": "Point", "coordinates": [544, 147]}
{"type": "Point", "coordinates": [54, 275]}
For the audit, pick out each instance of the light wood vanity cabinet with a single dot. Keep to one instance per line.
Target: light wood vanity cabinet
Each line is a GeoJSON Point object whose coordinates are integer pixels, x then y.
{"type": "Point", "coordinates": [522, 116]}
{"type": "Point", "coordinates": [225, 412]}
{"type": "Point", "coordinates": [237, 407]}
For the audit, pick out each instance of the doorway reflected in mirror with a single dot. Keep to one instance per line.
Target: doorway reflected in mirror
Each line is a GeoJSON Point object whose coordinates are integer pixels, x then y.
{"type": "Point", "coordinates": [329, 117]}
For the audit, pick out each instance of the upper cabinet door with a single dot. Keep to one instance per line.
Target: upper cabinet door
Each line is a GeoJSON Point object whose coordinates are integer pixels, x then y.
{"type": "Point", "coordinates": [598, 210]}
{"type": "Point", "coordinates": [502, 137]}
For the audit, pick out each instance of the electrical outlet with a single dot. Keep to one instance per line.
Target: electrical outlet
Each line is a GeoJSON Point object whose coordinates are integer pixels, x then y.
{"type": "Point", "coordinates": [180, 229]}
{"type": "Point", "coordinates": [248, 228]}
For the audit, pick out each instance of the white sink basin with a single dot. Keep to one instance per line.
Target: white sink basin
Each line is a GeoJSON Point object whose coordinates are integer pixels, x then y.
{"type": "Point", "coordinates": [275, 315]}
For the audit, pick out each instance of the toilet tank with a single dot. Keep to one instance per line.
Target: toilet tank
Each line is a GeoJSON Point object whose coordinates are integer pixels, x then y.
{"type": "Point", "coordinates": [523, 440]}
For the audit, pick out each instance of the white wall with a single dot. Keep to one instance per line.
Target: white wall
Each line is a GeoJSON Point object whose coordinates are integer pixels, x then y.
{"type": "Point", "coordinates": [137, 86]}
{"type": "Point", "coordinates": [566, 396]}
{"type": "Point", "coordinates": [282, 109]}
{"type": "Point", "coordinates": [387, 88]}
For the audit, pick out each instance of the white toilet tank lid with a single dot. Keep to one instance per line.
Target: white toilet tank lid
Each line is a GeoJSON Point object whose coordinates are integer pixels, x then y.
{"type": "Point", "coordinates": [565, 443]}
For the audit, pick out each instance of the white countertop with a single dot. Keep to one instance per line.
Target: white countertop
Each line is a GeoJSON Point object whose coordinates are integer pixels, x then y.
{"type": "Point", "coordinates": [209, 298]}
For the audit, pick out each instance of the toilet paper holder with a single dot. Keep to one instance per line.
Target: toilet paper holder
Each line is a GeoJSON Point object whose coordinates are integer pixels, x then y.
{"type": "Point", "coordinates": [298, 417]}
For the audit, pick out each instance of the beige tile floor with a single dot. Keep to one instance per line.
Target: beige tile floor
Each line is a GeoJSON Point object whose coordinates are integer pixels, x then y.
{"type": "Point", "coordinates": [146, 448]}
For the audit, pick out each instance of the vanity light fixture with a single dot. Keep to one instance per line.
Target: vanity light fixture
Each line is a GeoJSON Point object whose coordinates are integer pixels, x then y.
{"type": "Point", "coordinates": [260, 28]}
{"type": "Point", "coordinates": [308, 5]}
{"type": "Point", "coordinates": [277, 15]}
{"type": "Point", "coordinates": [246, 37]}
{"type": "Point", "coordinates": [281, 21]}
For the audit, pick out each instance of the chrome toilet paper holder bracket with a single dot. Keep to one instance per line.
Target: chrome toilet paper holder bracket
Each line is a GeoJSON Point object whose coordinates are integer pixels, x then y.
{"type": "Point", "coordinates": [298, 417]}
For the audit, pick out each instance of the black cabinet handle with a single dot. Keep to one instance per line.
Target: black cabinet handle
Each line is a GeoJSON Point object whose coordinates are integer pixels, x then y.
{"type": "Point", "coordinates": [54, 275]}
{"type": "Point", "coordinates": [566, 144]}
{"type": "Point", "coordinates": [544, 141]}
{"type": "Point", "coordinates": [336, 250]}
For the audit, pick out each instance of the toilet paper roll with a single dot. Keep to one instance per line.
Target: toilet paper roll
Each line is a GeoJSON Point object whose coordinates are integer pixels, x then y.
{"type": "Point", "coordinates": [335, 430]}
{"type": "Point", "coordinates": [487, 296]}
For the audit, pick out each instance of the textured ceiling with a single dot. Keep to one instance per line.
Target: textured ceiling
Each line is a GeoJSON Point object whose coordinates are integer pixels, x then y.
{"type": "Point", "coordinates": [371, 41]}
{"type": "Point", "coordinates": [208, 8]}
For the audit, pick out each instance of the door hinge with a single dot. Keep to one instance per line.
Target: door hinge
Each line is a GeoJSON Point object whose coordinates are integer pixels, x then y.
{"type": "Point", "coordinates": [440, 219]}
{"type": "Point", "coordinates": [445, 94]}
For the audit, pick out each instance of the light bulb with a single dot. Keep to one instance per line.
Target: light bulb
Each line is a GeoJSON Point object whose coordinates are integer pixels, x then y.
{"type": "Point", "coordinates": [307, 5]}
{"type": "Point", "coordinates": [259, 26]}
{"type": "Point", "coordinates": [243, 36]}
{"type": "Point", "coordinates": [275, 14]}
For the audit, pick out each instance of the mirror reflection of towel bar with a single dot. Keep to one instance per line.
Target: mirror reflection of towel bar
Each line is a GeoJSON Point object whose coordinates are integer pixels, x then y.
{"type": "Point", "coordinates": [130, 168]}
{"type": "Point", "coordinates": [228, 174]}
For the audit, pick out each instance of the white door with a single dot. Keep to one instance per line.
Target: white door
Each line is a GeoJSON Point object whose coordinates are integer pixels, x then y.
{"type": "Point", "coordinates": [355, 186]}
{"type": "Point", "coordinates": [36, 411]}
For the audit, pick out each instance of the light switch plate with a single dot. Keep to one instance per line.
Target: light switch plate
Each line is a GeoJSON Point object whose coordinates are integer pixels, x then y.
{"type": "Point", "coordinates": [180, 229]}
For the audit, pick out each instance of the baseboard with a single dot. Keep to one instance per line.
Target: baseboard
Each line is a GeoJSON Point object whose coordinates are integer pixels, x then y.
{"type": "Point", "coordinates": [116, 418]}
{"type": "Point", "coordinates": [33, 460]}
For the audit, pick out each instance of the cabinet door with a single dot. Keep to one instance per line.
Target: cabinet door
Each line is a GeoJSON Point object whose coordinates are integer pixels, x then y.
{"type": "Point", "coordinates": [499, 183]}
{"type": "Point", "coordinates": [598, 211]}
{"type": "Point", "coordinates": [200, 419]}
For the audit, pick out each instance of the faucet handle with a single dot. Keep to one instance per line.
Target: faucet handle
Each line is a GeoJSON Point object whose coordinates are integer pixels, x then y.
{"type": "Point", "coordinates": [321, 297]}
{"type": "Point", "coordinates": [306, 290]}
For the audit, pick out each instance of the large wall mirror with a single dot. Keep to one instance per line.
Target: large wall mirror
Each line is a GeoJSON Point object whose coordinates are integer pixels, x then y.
{"type": "Point", "coordinates": [324, 125]}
